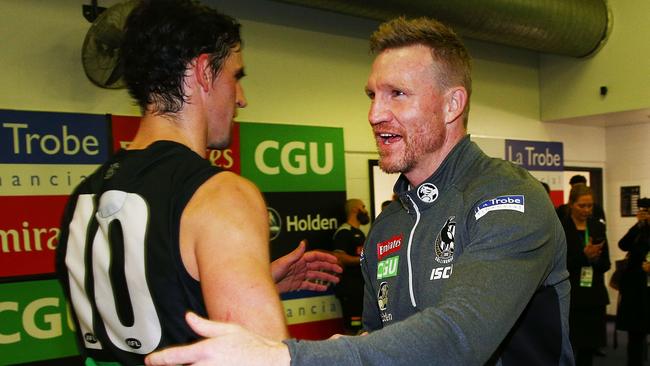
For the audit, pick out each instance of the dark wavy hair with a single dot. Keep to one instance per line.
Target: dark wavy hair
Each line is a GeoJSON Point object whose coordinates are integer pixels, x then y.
{"type": "Point", "coordinates": [452, 62]}
{"type": "Point", "coordinates": [161, 38]}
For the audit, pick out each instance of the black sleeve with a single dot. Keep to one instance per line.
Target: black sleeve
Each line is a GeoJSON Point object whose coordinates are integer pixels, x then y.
{"type": "Point", "coordinates": [603, 263]}
{"type": "Point", "coordinates": [628, 240]}
{"type": "Point", "coordinates": [342, 240]}
{"type": "Point", "coordinates": [575, 258]}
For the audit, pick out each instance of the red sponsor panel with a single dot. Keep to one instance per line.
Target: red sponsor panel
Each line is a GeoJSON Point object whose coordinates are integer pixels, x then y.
{"type": "Point", "coordinates": [557, 197]}
{"type": "Point", "coordinates": [124, 129]}
{"type": "Point", "coordinates": [321, 329]}
{"type": "Point", "coordinates": [228, 158]}
{"type": "Point", "coordinates": [29, 229]}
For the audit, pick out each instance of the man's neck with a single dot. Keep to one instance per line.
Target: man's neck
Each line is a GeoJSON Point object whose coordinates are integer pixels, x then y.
{"type": "Point", "coordinates": [354, 222]}
{"type": "Point", "coordinates": [155, 127]}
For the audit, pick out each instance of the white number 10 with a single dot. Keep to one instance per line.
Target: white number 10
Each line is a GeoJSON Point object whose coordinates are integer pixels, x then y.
{"type": "Point", "coordinates": [132, 213]}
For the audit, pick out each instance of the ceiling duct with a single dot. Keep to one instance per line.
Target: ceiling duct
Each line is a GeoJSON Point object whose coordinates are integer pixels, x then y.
{"type": "Point", "coordinates": [575, 28]}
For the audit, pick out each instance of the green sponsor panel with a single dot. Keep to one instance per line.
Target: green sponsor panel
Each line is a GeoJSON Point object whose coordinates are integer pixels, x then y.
{"type": "Point", "coordinates": [289, 158]}
{"type": "Point", "coordinates": [34, 322]}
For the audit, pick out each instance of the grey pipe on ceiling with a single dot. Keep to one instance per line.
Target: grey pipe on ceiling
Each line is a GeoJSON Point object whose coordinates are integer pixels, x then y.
{"type": "Point", "coordinates": [576, 28]}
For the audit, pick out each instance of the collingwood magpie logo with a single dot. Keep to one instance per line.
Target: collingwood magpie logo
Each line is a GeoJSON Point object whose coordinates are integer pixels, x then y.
{"type": "Point", "coordinates": [445, 242]}
{"type": "Point", "coordinates": [427, 192]}
{"type": "Point", "coordinates": [275, 223]}
{"type": "Point", "coordinates": [382, 296]}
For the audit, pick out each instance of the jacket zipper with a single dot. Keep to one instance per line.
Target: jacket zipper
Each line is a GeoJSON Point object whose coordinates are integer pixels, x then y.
{"type": "Point", "coordinates": [408, 251]}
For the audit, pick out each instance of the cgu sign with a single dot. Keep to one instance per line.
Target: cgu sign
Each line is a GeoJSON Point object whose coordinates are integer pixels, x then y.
{"type": "Point", "coordinates": [41, 319]}
{"type": "Point", "coordinates": [35, 322]}
{"type": "Point", "coordinates": [289, 158]}
{"type": "Point", "coordinates": [295, 158]}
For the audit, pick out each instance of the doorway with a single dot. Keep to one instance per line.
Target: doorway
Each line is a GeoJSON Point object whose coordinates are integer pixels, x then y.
{"type": "Point", "coordinates": [594, 180]}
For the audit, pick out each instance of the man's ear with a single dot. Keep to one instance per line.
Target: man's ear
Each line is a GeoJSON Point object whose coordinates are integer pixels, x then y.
{"type": "Point", "coordinates": [202, 71]}
{"type": "Point", "coordinates": [456, 102]}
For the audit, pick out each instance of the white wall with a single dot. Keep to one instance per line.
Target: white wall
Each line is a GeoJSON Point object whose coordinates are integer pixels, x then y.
{"type": "Point", "coordinates": [570, 86]}
{"type": "Point", "coordinates": [628, 162]}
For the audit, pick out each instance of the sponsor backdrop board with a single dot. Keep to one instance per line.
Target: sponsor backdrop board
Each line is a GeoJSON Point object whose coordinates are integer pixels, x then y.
{"type": "Point", "coordinates": [301, 172]}
{"type": "Point", "coordinates": [43, 156]}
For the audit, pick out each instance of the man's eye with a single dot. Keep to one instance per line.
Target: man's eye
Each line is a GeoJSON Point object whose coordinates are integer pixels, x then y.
{"type": "Point", "coordinates": [370, 95]}
{"type": "Point", "coordinates": [397, 93]}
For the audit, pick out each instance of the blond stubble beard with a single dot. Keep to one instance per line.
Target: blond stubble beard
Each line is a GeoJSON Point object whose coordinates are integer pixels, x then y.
{"type": "Point", "coordinates": [417, 146]}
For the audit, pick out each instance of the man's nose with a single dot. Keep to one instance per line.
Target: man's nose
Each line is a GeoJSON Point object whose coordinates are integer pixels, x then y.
{"type": "Point", "coordinates": [378, 113]}
{"type": "Point", "coordinates": [240, 98]}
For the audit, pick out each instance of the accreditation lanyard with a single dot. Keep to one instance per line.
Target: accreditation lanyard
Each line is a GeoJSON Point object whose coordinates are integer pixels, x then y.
{"type": "Point", "coordinates": [586, 272]}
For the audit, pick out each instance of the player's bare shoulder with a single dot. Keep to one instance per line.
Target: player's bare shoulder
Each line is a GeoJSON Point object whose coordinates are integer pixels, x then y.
{"type": "Point", "coordinates": [226, 190]}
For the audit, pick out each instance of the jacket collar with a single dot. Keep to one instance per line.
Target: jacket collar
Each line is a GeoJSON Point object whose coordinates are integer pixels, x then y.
{"type": "Point", "coordinates": [426, 194]}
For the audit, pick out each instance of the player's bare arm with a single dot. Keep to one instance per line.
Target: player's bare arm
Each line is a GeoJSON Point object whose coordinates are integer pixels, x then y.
{"type": "Point", "coordinates": [227, 219]}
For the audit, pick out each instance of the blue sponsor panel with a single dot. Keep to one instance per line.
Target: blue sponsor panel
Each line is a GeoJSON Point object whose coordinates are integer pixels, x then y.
{"type": "Point", "coordinates": [536, 155]}
{"type": "Point", "coordinates": [53, 138]}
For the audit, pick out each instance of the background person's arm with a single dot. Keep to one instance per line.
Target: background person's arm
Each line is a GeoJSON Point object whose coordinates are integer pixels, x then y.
{"type": "Point", "coordinates": [342, 238]}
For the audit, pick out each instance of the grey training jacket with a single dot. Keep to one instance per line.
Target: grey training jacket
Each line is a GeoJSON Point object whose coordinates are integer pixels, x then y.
{"type": "Point", "coordinates": [468, 268]}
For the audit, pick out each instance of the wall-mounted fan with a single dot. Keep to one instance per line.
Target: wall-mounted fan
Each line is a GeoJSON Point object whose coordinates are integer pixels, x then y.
{"type": "Point", "coordinates": [100, 54]}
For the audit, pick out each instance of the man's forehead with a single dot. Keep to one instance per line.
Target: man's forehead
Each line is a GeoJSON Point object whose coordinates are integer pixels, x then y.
{"type": "Point", "coordinates": [406, 54]}
{"type": "Point", "coordinates": [394, 62]}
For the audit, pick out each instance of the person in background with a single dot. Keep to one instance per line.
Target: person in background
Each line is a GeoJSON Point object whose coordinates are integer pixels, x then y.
{"type": "Point", "coordinates": [587, 262]}
{"type": "Point", "coordinates": [348, 244]}
{"type": "Point", "coordinates": [467, 268]}
{"type": "Point", "coordinates": [157, 230]}
{"type": "Point", "coordinates": [633, 314]}
{"type": "Point", "coordinates": [385, 204]}
{"type": "Point", "coordinates": [388, 202]}
{"type": "Point", "coordinates": [563, 210]}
